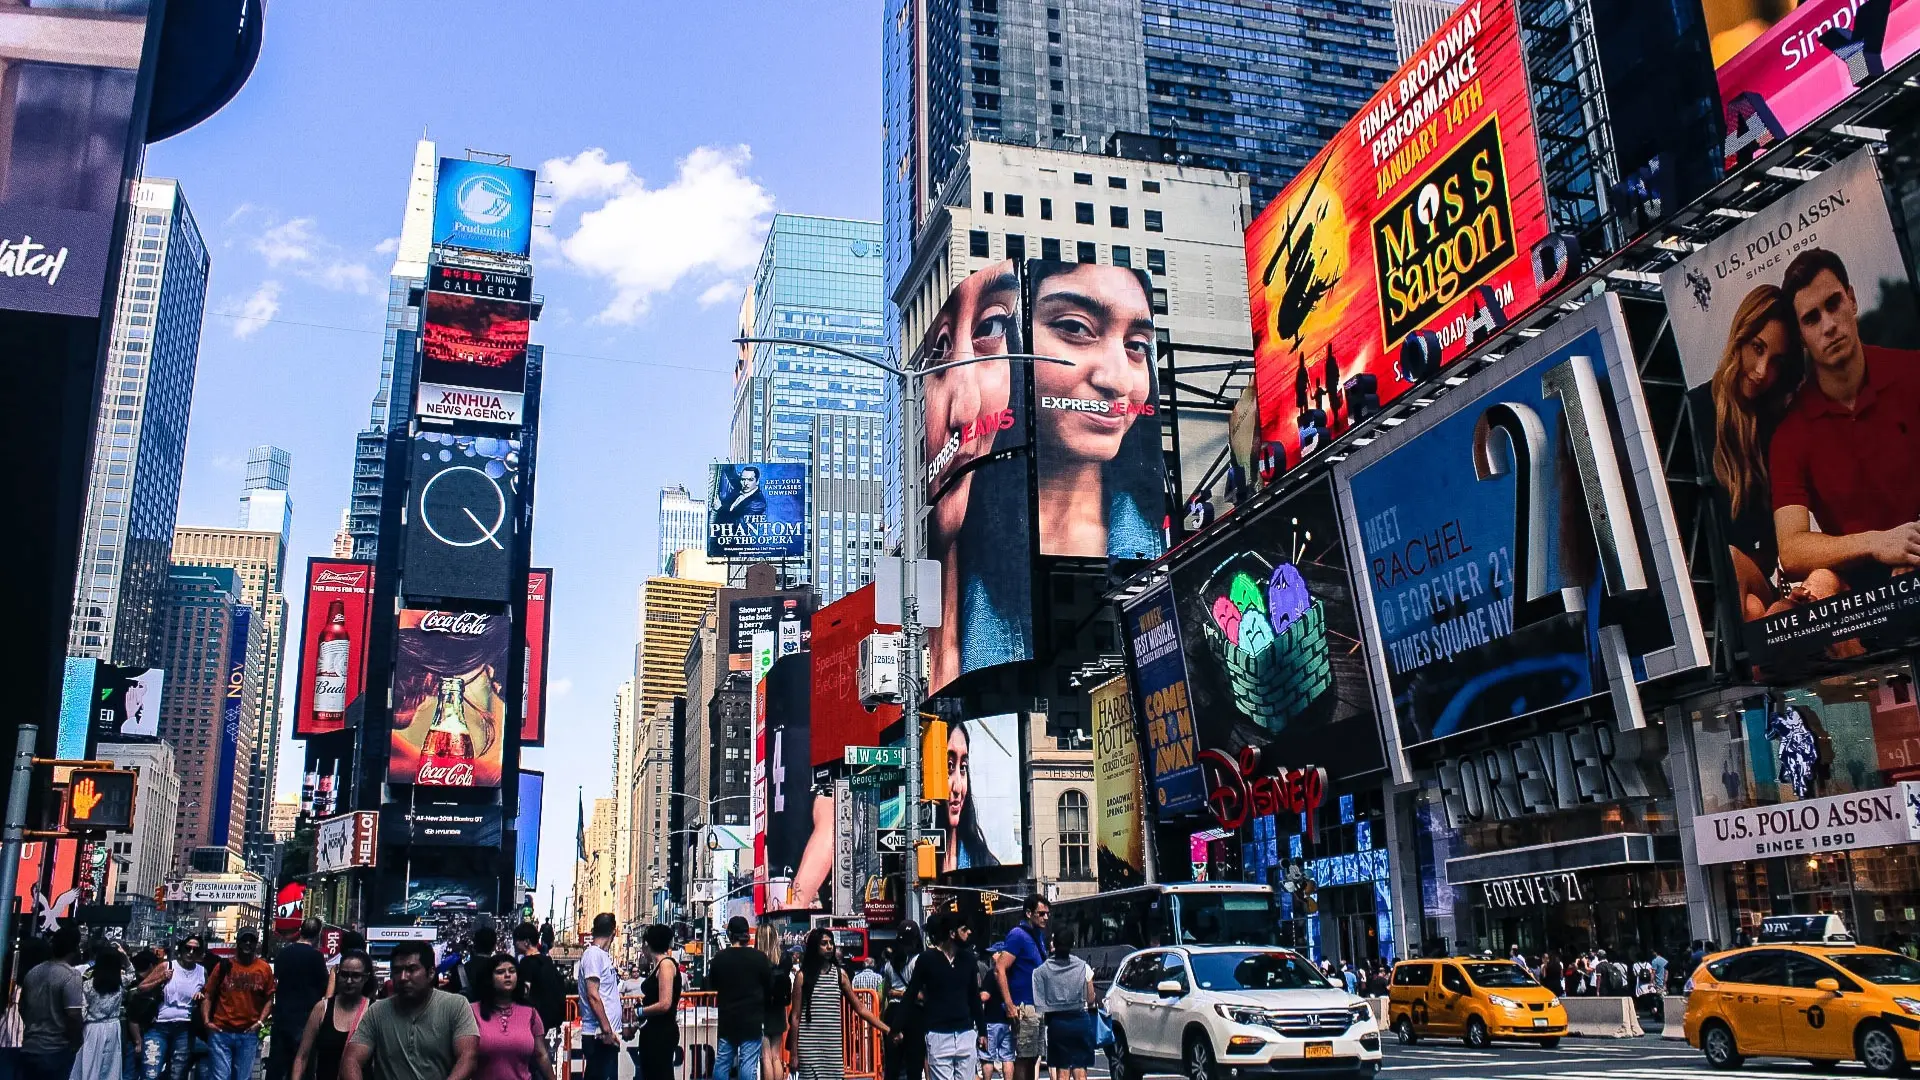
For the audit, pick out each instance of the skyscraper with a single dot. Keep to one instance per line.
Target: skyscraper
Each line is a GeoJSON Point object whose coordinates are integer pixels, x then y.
{"type": "Point", "coordinates": [140, 442]}
{"type": "Point", "coordinates": [819, 280]}
{"type": "Point", "coordinates": [1414, 21]}
{"type": "Point", "coordinates": [265, 503]}
{"type": "Point", "coordinates": [683, 524]}
{"type": "Point", "coordinates": [203, 615]}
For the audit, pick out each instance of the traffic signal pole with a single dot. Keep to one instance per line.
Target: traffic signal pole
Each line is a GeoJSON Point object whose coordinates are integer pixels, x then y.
{"type": "Point", "coordinates": [12, 832]}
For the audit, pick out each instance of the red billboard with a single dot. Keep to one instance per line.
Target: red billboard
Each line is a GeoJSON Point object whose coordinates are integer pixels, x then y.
{"type": "Point", "coordinates": [333, 645]}
{"type": "Point", "coordinates": [838, 719]}
{"type": "Point", "coordinates": [449, 675]}
{"type": "Point", "coordinates": [533, 695]}
{"type": "Point", "coordinates": [473, 358]}
{"type": "Point", "coordinates": [1404, 240]}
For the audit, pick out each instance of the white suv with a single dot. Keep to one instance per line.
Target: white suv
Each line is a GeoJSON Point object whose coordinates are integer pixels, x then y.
{"type": "Point", "coordinates": [1215, 1013]}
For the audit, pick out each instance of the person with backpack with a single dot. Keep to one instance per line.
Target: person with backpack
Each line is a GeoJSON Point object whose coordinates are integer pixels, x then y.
{"type": "Point", "coordinates": [540, 983]}
{"type": "Point", "coordinates": [237, 1004]}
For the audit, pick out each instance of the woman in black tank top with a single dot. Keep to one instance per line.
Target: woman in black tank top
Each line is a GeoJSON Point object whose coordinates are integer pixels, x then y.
{"type": "Point", "coordinates": [333, 1021]}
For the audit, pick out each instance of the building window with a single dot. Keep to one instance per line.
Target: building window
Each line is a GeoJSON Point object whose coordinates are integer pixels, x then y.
{"type": "Point", "coordinates": [1083, 178]}
{"type": "Point", "coordinates": [1016, 247]}
{"type": "Point", "coordinates": [1117, 216]}
{"type": "Point", "coordinates": [1053, 61]}
{"type": "Point", "coordinates": [1122, 255]}
{"type": "Point", "coordinates": [1159, 301]}
{"type": "Point", "coordinates": [986, 101]}
{"type": "Point", "coordinates": [1151, 187]}
{"type": "Point", "coordinates": [977, 243]}
{"type": "Point", "coordinates": [1053, 13]}
{"type": "Point", "coordinates": [1119, 182]}
{"type": "Point", "coordinates": [1086, 251]}
{"type": "Point", "coordinates": [1083, 213]}
{"type": "Point", "coordinates": [1059, 109]}
{"type": "Point", "coordinates": [1050, 249]}
{"type": "Point", "coordinates": [1156, 261]}
{"type": "Point", "coordinates": [1076, 848]}
{"type": "Point", "coordinates": [1046, 209]}
{"type": "Point", "coordinates": [1150, 220]}
{"type": "Point", "coordinates": [1053, 37]}
{"type": "Point", "coordinates": [1016, 206]}
{"type": "Point", "coordinates": [986, 202]}
{"type": "Point", "coordinates": [1058, 86]}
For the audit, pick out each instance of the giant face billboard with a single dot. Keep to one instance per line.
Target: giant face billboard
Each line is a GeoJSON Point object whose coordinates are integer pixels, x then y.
{"type": "Point", "coordinates": [1513, 544]}
{"type": "Point", "coordinates": [473, 359]}
{"type": "Point", "coordinates": [449, 704]}
{"type": "Point", "coordinates": [71, 75]}
{"type": "Point", "coordinates": [839, 720]}
{"type": "Point", "coordinates": [1807, 63]}
{"type": "Point", "coordinates": [1378, 263]}
{"type": "Point", "coordinates": [986, 788]}
{"type": "Point", "coordinates": [465, 492]}
{"type": "Point", "coordinates": [1272, 640]}
{"type": "Point", "coordinates": [758, 510]}
{"type": "Point", "coordinates": [533, 696]}
{"type": "Point", "coordinates": [979, 524]}
{"type": "Point", "coordinates": [483, 207]}
{"type": "Point", "coordinates": [333, 646]}
{"type": "Point", "coordinates": [1798, 308]}
{"type": "Point", "coordinates": [1102, 475]}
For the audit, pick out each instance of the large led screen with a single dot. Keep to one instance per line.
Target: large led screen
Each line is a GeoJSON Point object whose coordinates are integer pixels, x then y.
{"type": "Point", "coordinates": [1780, 322]}
{"type": "Point", "coordinates": [126, 703]}
{"type": "Point", "coordinates": [533, 694]}
{"type": "Point", "coordinates": [526, 827]}
{"type": "Point", "coordinates": [839, 720]}
{"type": "Point", "coordinates": [1102, 474]}
{"type": "Point", "coordinates": [979, 527]}
{"type": "Point", "coordinates": [1274, 665]}
{"type": "Point", "coordinates": [1380, 262]}
{"type": "Point", "coordinates": [333, 646]}
{"type": "Point", "coordinates": [483, 207]}
{"type": "Point", "coordinates": [1513, 544]}
{"type": "Point", "coordinates": [449, 708]}
{"type": "Point", "coordinates": [986, 788]}
{"type": "Point", "coordinates": [473, 359]}
{"type": "Point", "coordinates": [232, 707]}
{"type": "Point", "coordinates": [758, 510]}
{"type": "Point", "coordinates": [461, 510]}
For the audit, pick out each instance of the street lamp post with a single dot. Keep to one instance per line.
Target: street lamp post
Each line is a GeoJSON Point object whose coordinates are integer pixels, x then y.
{"type": "Point", "coordinates": [907, 384]}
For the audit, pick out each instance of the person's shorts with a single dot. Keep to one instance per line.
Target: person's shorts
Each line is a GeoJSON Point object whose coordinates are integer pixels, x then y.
{"type": "Point", "coordinates": [1029, 1035]}
{"type": "Point", "coordinates": [999, 1043]}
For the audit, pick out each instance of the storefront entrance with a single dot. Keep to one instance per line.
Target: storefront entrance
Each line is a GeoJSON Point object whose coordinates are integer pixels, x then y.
{"type": "Point", "coordinates": [1627, 912]}
{"type": "Point", "coordinates": [1875, 890]}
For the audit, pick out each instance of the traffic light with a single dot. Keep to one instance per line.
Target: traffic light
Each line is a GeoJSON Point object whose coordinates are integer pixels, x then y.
{"type": "Point", "coordinates": [933, 760]}
{"type": "Point", "coordinates": [100, 800]}
{"type": "Point", "coordinates": [926, 861]}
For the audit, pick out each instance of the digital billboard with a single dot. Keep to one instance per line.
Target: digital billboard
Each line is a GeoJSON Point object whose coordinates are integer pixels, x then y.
{"type": "Point", "coordinates": [986, 789]}
{"type": "Point", "coordinates": [126, 702]}
{"type": "Point", "coordinates": [838, 718]}
{"type": "Point", "coordinates": [71, 77]}
{"type": "Point", "coordinates": [475, 281]}
{"type": "Point", "coordinates": [757, 510]}
{"type": "Point", "coordinates": [1513, 545]}
{"type": "Point", "coordinates": [787, 616]}
{"type": "Point", "coordinates": [1119, 827]}
{"type": "Point", "coordinates": [1274, 667]}
{"type": "Point", "coordinates": [439, 897]}
{"type": "Point", "coordinates": [1102, 474]}
{"type": "Point", "coordinates": [337, 617]}
{"type": "Point", "coordinates": [483, 207]}
{"type": "Point", "coordinates": [1808, 62]}
{"type": "Point", "coordinates": [800, 833]}
{"type": "Point", "coordinates": [526, 827]}
{"type": "Point", "coordinates": [979, 524]}
{"type": "Point", "coordinates": [1798, 308]}
{"type": "Point", "coordinates": [447, 824]}
{"type": "Point", "coordinates": [465, 490]}
{"type": "Point", "coordinates": [449, 677]}
{"type": "Point", "coordinates": [1387, 255]}
{"type": "Point", "coordinates": [1159, 674]}
{"type": "Point", "coordinates": [473, 359]}
{"type": "Point", "coordinates": [232, 701]}
{"type": "Point", "coordinates": [533, 693]}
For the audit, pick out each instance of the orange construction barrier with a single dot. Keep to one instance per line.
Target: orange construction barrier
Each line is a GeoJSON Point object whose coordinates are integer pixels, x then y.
{"type": "Point", "coordinates": [699, 1019]}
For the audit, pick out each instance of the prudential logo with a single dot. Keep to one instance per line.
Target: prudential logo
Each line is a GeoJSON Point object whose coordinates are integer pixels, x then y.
{"type": "Point", "coordinates": [484, 200]}
{"type": "Point", "coordinates": [483, 207]}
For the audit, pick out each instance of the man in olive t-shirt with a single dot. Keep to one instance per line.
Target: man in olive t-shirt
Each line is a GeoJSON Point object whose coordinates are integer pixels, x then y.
{"type": "Point", "coordinates": [419, 1033]}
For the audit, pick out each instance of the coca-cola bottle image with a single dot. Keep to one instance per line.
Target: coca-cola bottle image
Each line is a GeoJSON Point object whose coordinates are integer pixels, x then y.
{"type": "Point", "coordinates": [446, 757]}
{"type": "Point", "coordinates": [330, 668]}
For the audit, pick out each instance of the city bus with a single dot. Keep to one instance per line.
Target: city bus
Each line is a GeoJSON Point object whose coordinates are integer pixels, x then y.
{"type": "Point", "coordinates": [1107, 926]}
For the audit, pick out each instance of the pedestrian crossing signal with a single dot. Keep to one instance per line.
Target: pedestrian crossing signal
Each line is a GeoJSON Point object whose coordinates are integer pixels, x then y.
{"type": "Point", "coordinates": [100, 800]}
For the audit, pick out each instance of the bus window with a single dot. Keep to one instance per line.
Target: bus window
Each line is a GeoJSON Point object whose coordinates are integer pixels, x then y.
{"type": "Point", "coordinates": [1226, 919]}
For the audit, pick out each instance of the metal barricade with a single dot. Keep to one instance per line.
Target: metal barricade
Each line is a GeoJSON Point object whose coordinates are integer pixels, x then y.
{"type": "Point", "coordinates": [699, 1038]}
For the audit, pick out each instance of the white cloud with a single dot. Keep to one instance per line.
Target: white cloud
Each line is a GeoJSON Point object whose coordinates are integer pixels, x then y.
{"type": "Point", "coordinates": [706, 226]}
{"type": "Point", "coordinates": [560, 687]}
{"type": "Point", "coordinates": [288, 242]}
{"type": "Point", "coordinates": [720, 292]}
{"type": "Point", "coordinates": [388, 246]}
{"type": "Point", "coordinates": [298, 247]}
{"type": "Point", "coordinates": [254, 312]}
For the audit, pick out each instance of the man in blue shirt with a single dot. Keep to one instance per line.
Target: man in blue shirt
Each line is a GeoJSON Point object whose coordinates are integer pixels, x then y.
{"type": "Point", "coordinates": [1013, 971]}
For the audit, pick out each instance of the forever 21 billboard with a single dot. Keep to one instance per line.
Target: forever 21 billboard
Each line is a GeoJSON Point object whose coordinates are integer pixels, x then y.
{"type": "Point", "coordinates": [461, 508]}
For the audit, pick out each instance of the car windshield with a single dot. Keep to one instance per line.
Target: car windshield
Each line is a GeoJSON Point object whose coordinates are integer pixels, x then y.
{"type": "Point", "coordinates": [1255, 971]}
{"type": "Point", "coordinates": [1886, 969]}
{"type": "Point", "coordinates": [1497, 975]}
{"type": "Point", "coordinates": [1226, 918]}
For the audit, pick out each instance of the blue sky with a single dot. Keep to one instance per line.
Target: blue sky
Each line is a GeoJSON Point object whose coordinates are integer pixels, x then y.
{"type": "Point", "coordinates": [673, 130]}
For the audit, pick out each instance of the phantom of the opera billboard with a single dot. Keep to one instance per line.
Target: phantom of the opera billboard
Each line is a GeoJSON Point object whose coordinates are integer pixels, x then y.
{"type": "Point", "coordinates": [757, 510]}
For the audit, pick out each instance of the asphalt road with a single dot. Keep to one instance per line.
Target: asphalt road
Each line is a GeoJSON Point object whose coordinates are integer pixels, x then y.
{"type": "Point", "coordinates": [1581, 1059]}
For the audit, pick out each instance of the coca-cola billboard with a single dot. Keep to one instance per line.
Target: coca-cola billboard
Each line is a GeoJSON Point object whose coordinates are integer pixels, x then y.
{"type": "Point", "coordinates": [533, 696]}
{"type": "Point", "coordinates": [449, 704]}
{"type": "Point", "coordinates": [333, 646]}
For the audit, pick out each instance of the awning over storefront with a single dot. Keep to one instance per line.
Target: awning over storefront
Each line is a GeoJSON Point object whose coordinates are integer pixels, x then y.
{"type": "Point", "coordinates": [1589, 853]}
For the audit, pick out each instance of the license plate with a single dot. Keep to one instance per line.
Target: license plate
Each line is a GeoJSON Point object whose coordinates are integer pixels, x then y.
{"type": "Point", "coordinates": [1320, 1050]}
{"type": "Point", "coordinates": [1539, 1021]}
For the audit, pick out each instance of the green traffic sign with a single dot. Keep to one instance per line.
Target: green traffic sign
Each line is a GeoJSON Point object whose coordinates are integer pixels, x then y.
{"type": "Point", "coordinates": [892, 756]}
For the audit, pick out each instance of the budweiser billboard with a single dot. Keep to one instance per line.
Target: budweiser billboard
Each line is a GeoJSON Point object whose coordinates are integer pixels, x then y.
{"type": "Point", "coordinates": [333, 645]}
{"type": "Point", "coordinates": [533, 696]}
{"type": "Point", "coordinates": [1404, 241]}
{"type": "Point", "coordinates": [449, 704]}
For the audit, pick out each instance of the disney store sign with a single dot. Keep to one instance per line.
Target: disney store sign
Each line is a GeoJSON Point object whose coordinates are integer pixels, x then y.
{"type": "Point", "coordinates": [1862, 819]}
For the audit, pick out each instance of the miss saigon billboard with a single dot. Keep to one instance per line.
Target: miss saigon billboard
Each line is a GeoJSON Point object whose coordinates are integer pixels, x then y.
{"type": "Point", "coordinates": [1406, 240]}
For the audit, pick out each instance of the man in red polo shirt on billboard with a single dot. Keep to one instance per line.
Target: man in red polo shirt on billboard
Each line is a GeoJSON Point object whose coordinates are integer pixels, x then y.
{"type": "Point", "coordinates": [1846, 459]}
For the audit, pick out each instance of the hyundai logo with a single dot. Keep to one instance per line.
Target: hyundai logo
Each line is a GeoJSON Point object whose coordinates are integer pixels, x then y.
{"type": "Point", "coordinates": [484, 200]}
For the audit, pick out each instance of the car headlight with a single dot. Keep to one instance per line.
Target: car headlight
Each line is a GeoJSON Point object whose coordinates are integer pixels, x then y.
{"type": "Point", "coordinates": [1358, 1014]}
{"type": "Point", "coordinates": [1911, 1006]}
{"type": "Point", "coordinates": [1240, 1015]}
{"type": "Point", "coordinates": [1553, 1003]}
{"type": "Point", "coordinates": [1505, 1003]}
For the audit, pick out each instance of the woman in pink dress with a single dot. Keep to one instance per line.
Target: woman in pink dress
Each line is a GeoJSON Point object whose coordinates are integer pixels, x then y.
{"type": "Point", "coordinates": [512, 1040]}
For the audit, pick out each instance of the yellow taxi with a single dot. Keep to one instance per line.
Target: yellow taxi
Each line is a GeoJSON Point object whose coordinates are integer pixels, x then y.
{"type": "Point", "coordinates": [1474, 1000]}
{"type": "Point", "coordinates": [1823, 1000]}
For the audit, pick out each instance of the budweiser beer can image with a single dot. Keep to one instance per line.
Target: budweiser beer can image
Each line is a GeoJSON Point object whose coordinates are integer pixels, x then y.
{"type": "Point", "coordinates": [448, 706]}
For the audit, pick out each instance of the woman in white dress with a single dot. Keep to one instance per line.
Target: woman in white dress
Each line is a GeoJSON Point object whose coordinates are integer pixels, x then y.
{"type": "Point", "coordinates": [100, 1048]}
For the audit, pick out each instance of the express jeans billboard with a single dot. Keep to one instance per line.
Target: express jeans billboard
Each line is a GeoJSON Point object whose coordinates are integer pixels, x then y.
{"type": "Point", "coordinates": [758, 510]}
{"type": "Point", "coordinates": [1800, 336]}
{"type": "Point", "coordinates": [1159, 676]}
{"type": "Point", "coordinates": [449, 703]}
{"type": "Point", "coordinates": [1514, 546]}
